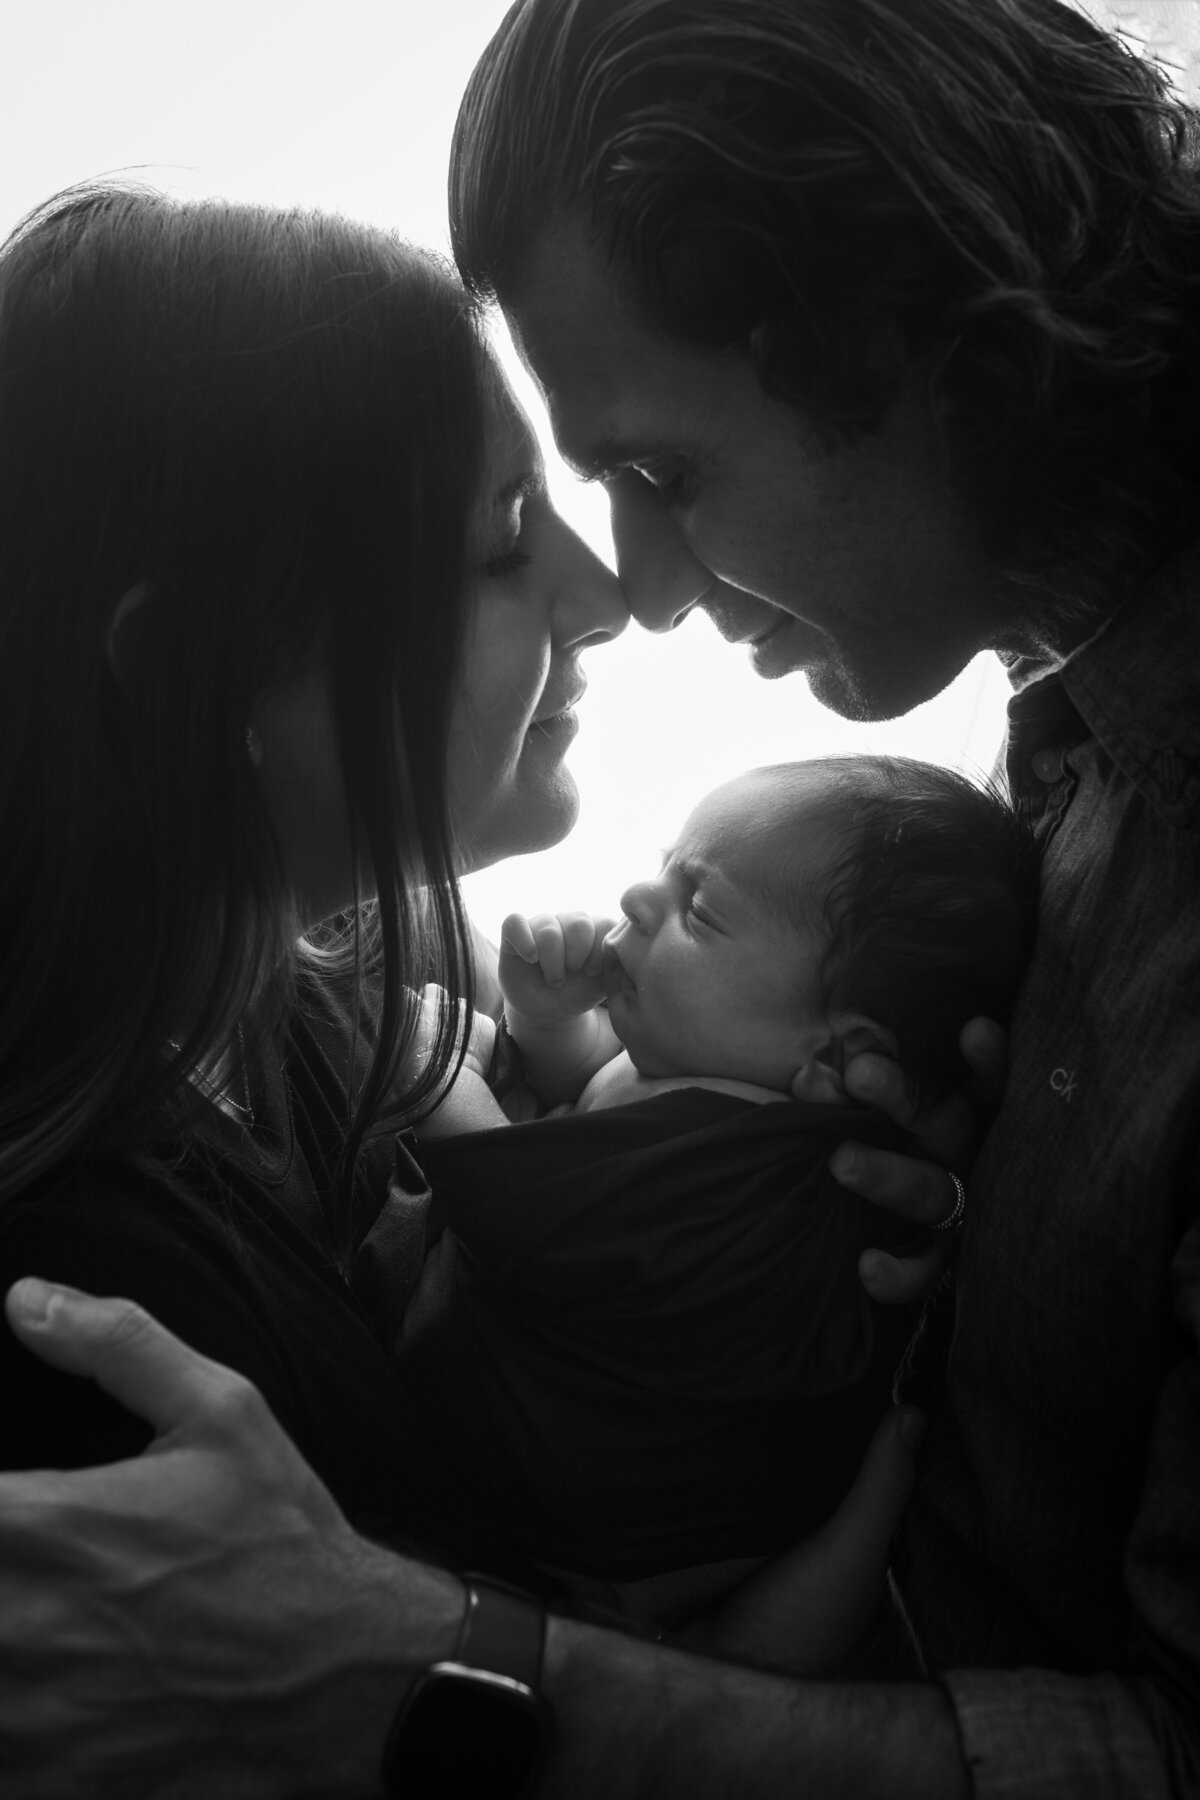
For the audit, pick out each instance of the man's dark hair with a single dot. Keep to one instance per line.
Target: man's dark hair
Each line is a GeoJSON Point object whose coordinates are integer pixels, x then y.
{"type": "Point", "coordinates": [929, 900]}
{"type": "Point", "coordinates": [993, 193]}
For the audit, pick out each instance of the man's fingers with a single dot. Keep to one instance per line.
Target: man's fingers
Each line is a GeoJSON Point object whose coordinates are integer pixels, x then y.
{"type": "Point", "coordinates": [879, 1081]}
{"type": "Point", "coordinates": [983, 1046]}
{"type": "Point", "coordinates": [919, 1191]}
{"type": "Point", "coordinates": [901, 1280]}
{"type": "Point", "coordinates": [946, 1131]}
{"type": "Point", "coordinates": [128, 1353]}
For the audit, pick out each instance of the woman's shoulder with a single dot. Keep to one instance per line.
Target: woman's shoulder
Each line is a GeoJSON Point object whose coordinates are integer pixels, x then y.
{"type": "Point", "coordinates": [81, 1206]}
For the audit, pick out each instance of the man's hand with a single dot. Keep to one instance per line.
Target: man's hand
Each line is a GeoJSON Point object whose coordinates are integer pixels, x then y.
{"type": "Point", "coordinates": [917, 1189]}
{"type": "Point", "coordinates": [200, 1620]}
{"type": "Point", "coordinates": [552, 966]}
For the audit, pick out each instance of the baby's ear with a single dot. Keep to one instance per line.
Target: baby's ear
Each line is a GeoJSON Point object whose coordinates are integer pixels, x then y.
{"type": "Point", "coordinates": [819, 1077]}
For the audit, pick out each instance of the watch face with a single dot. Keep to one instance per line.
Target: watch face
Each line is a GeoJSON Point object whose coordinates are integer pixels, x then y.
{"type": "Point", "coordinates": [464, 1732]}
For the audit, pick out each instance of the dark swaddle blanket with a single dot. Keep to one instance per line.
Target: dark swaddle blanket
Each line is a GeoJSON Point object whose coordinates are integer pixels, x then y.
{"type": "Point", "coordinates": [639, 1333]}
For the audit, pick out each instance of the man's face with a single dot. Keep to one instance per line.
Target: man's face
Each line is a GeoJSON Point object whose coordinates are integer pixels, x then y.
{"type": "Point", "coordinates": [861, 566]}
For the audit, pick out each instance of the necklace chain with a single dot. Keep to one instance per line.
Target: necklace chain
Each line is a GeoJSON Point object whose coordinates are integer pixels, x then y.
{"type": "Point", "coordinates": [221, 1094]}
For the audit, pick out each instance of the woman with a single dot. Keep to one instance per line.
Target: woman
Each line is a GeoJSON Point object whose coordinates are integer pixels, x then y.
{"type": "Point", "coordinates": [290, 636]}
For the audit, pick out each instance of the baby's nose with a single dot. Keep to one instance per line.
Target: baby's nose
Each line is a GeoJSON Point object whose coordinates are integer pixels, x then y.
{"type": "Point", "coordinates": [637, 905]}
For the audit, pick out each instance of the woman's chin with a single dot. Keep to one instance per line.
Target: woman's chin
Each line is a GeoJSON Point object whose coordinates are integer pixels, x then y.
{"type": "Point", "coordinates": [522, 824]}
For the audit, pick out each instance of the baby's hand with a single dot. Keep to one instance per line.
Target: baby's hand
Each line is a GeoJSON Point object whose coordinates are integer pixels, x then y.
{"type": "Point", "coordinates": [551, 966]}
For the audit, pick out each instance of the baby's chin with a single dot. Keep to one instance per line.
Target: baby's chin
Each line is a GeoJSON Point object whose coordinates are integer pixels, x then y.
{"type": "Point", "coordinates": [653, 1063]}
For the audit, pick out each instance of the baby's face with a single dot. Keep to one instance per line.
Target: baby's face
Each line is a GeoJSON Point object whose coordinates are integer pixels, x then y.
{"type": "Point", "coordinates": [702, 979]}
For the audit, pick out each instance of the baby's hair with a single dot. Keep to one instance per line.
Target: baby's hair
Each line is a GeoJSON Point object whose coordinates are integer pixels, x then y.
{"type": "Point", "coordinates": [929, 900]}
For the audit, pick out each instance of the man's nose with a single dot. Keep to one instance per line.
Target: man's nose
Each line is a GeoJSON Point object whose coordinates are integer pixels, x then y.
{"type": "Point", "coordinates": [661, 577]}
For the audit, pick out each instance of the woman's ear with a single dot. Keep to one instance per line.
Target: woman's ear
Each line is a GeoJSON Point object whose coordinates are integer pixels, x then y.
{"type": "Point", "coordinates": [819, 1077]}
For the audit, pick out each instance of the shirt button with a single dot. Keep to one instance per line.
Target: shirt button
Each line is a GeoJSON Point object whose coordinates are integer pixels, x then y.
{"type": "Point", "coordinates": [1048, 765]}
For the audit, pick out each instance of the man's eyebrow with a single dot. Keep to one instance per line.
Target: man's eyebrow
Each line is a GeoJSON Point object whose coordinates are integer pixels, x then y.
{"type": "Point", "coordinates": [598, 462]}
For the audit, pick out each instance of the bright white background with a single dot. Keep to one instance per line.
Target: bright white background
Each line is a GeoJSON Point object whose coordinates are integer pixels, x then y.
{"type": "Point", "coordinates": [350, 107]}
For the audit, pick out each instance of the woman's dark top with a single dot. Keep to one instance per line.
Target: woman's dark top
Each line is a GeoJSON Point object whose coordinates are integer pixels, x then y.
{"type": "Point", "coordinates": [643, 1328]}
{"type": "Point", "coordinates": [223, 1237]}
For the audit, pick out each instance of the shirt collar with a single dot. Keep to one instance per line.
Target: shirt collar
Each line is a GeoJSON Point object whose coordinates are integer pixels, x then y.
{"type": "Point", "coordinates": [1136, 685]}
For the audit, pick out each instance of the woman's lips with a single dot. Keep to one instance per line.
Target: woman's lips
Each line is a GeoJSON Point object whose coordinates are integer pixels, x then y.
{"type": "Point", "coordinates": [561, 706]}
{"type": "Point", "coordinates": [559, 728]}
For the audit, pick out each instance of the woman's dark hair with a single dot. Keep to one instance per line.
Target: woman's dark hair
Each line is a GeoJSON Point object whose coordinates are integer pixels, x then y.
{"type": "Point", "coordinates": [928, 903]}
{"type": "Point", "coordinates": [270, 422]}
{"type": "Point", "coordinates": [992, 194]}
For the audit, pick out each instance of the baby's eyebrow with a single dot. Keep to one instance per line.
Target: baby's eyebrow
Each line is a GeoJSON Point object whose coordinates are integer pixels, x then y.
{"type": "Point", "coordinates": [693, 872]}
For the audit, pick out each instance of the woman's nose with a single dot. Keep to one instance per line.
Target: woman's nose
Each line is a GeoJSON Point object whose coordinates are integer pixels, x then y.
{"type": "Point", "coordinates": [640, 906]}
{"type": "Point", "coordinates": [589, 607]}
{"type": "Point", "coordinates": [661, 577]}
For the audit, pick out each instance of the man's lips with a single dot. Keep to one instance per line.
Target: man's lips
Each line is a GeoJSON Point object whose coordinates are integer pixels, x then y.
{"type": "Point", "coordinates": [757, 638]}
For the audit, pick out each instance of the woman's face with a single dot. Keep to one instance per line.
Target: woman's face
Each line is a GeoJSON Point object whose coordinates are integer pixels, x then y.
{"type": "Point", "coordinates": [540, 596]}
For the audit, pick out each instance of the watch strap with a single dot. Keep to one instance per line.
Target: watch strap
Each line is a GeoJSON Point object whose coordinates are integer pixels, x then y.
{"type": "Point", "coordinates": [503, 1630]}
{"type": "Point", "coordinates": [497, 1658]}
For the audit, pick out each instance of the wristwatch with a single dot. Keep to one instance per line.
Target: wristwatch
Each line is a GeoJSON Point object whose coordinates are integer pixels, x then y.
{"type": "Point", "coordinates": [477, 1724]}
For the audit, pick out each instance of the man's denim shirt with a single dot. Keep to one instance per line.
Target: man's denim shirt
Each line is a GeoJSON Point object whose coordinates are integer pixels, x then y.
{"type": "Point", "coordinates": [1051, 1560]}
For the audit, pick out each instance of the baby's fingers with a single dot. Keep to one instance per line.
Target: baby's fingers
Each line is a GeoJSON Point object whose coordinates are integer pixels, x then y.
{"type": "Point", "coordinates": [584, 935]}
{"type": "Point", "coordinates": [580, 942]}
{"type": "Point", "coordinates": [550, 951]}
{"type": "Point", "coordinates": [517, 939]}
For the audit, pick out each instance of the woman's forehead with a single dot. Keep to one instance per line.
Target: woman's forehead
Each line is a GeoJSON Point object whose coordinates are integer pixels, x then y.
{"type": "Point", "coordinates": [513, 453]}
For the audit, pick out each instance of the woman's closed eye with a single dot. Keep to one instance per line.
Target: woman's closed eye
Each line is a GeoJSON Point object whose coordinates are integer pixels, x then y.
{"type": "Point", "coordinates": [513, 549]}
{"type": "Point", "coordinates": [505, 562]}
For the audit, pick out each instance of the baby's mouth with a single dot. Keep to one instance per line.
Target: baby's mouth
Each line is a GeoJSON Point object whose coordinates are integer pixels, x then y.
{"type": "Point", "coordinates": [617, 979]}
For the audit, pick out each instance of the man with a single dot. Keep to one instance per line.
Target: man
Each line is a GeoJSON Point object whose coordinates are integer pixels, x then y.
{"type": "Point", "coordinates": [879, 319]}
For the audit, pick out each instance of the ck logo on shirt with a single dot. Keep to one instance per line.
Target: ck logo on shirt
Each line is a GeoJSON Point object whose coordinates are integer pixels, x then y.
{"type": "Point", "coordinates": [1063, 1082]}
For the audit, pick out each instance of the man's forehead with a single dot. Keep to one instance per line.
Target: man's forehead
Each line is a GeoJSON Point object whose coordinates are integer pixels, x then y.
{"type": "Point", "coordinates": [603, 372]}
